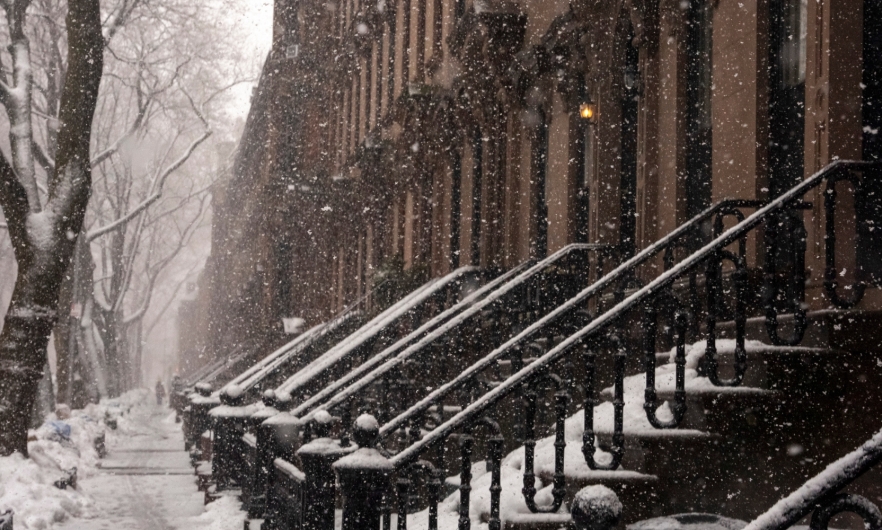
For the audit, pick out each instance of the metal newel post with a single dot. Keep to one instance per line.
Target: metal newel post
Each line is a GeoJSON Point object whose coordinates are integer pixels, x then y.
{"type": "Point", "coordinates": [227, 426]}
{"type": "Point", "coordinates": [257, 498]}
{"type": "Point", "coordinates": [319, 491]}
{"type": "Point", "coordinates": [281, 436]}
{"type": "Point", "coordinates": [364, 477]}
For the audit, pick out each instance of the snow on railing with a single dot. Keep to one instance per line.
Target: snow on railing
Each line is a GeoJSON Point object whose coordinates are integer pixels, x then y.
{"type": "Point", "coordinates": [295, 347]}
{"type": "Point", "coordinates": [371, 329]}
{"type": "Point", "coordinates": [476, 409]}
{"type": "Point", "coordinates": [789, 510]}
{"type": "Point", "coordinates": [203, 371]}
{"type": "Point", "coordinates": [458, 320]}
{"type": "Point", "coordinates": [241, 353]}
{"type": "Point", "coordinates": [417, 334]}
{"type": "Point", "coordinates": [570, 305]}
{"type": "Point", "coordinates": [260, 365]}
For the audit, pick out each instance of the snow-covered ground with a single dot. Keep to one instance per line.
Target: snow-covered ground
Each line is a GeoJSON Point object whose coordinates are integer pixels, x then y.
{"type": "Point", "coordinates": [144, 482]}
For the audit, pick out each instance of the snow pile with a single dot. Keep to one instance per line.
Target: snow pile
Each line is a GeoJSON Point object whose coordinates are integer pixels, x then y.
{"type": "Point", "coordinates": [27, 488]}
{"type": "Point", "coordinates": [223, 514]}
{"type": "Point", "coordinates": [27, 485]}
{"type": "Point", "coordinates": [597, 507]}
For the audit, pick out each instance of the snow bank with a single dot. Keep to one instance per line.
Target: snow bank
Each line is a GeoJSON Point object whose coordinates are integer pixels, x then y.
{"type": "Point", "coordinates": [27, 484]}
{"type": "Point", "coordinates": [223, 514]}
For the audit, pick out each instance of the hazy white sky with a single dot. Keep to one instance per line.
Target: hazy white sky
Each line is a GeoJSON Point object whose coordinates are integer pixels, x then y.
{"type": "Point", "coordinates": [258, 25]}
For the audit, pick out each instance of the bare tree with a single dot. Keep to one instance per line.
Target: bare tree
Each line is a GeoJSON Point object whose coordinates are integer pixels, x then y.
{"type": "Point", "coordinates": [43, 231]}
{"type": "Point", "coordinates": [157, 111]}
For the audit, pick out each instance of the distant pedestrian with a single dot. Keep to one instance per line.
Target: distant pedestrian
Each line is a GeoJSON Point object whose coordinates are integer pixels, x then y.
{"type": "Point", "coordinates": [160, 392]}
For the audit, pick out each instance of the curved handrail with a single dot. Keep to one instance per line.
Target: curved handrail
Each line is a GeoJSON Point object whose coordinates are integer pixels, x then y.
{"type": "Point", "coordinates": [601, 322]}
{"type": "Point", "coordinates": [574, 303]}
{"type": "Point", "coordinates": [503, 289]}
{"type": "Point", "coordinates": [807, 498]}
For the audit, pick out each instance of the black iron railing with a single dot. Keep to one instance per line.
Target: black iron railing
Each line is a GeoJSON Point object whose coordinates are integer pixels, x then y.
{"type": "Point", "coordinates": [301, 382]}
{"type": "Point", "coordinates": [235, 418]}
{"type": "Point", "coordinates": [519, 290]}
{"type": "Point", "coordinates": [621, 278]}
{"type": "Point", "coordinates": [196, 418]}
{"type": "Point", "coordinates": [420, 333]}
{"type": "Point", "coordinates": [493, 297]}
{"type": "Point", "coordinates": [558, 317]}
{"type": "Point", "coordinates": [365, 475]}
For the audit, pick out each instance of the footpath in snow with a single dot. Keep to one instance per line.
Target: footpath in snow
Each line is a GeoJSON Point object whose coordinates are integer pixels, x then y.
{"type": "Point", "coordinates": [144, 482]}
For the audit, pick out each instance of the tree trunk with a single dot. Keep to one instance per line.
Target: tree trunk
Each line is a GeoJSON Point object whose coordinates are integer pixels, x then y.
{"type": "Point", "coordinates": [108, 331]}
{"type": "Point", "coordinates": [40, 233]}
{"type": "Point", "coordinates": [23, 345]}
{"type": "Point", "coordinates": [77, 284]}
{"type": "Point", "coordinates": [65, 335]}
{"type": "Point", "coordinates": [136, 344]}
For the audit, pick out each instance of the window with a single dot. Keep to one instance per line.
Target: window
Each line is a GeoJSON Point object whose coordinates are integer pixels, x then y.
{"type": "Point", "coordinates": [540, 173]}
{"type": "Point", "coordinates": [630, 103]}
{"type": "Point", "coordinates": [699, 118]}
{"type": "Point", "coordinates": [787, 27]}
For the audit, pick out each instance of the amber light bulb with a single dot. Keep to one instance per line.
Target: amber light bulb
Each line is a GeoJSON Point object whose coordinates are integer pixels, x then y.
{"type": "Point", "coordinates": [587, 111]}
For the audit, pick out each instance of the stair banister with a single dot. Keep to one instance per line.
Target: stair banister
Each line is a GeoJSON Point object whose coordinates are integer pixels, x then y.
{"type": "Point", "coordinates": [314, 369]}
{"type": "Point", "coordinates": [417, 334]}
{"type": "Point", "coordinates": [587, 336]}
{"type": "Point", "coordinates": [451, 324]}
{"type": "Point", "coordinates": [355, 505]}
{"type": "Point", "coordinates": [594, 289]}
{"type": "Point", "coordinates": [478, 408]}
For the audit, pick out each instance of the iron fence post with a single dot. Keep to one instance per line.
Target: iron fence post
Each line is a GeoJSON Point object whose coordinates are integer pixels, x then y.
{"type": "Point", "coordinates": [283, 432]}
{"type": "Point", "coordinates": [364, 478]}
{"type": "Point", "coordinates": [227, 427]}
{"type": "Point", "coordinates": [320, 492]}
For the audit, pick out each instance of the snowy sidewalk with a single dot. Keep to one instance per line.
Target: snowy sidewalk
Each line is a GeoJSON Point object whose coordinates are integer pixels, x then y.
{"type": "Point", "coordinates": [146, 482]}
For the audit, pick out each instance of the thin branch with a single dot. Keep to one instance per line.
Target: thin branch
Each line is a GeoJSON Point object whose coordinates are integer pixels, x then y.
{"type": "Point", "coordinates": [118, 19]}
{"type": "Point", "coordinates": [163, 263]}
{"type": "Point", "coordinates": [136, 124]}
{"type": "Point", "coordinates": [160, 180]}
{"type": "Point", "coordinates": [98, 232]}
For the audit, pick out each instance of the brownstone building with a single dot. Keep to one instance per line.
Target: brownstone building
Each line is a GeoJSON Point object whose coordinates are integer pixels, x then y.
{"type": "Point", "coordinates": [451, 132]}
{"type": "Point", "coordinates": [631, 182]}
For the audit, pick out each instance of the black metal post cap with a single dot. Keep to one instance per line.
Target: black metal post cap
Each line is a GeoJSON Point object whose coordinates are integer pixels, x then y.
{"type": "Point", "coordinates": [232, 395]}
{"type": "Point", "coordinates": [269, 398]}
{"type": "Point", "coordinates": [366, 431]}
